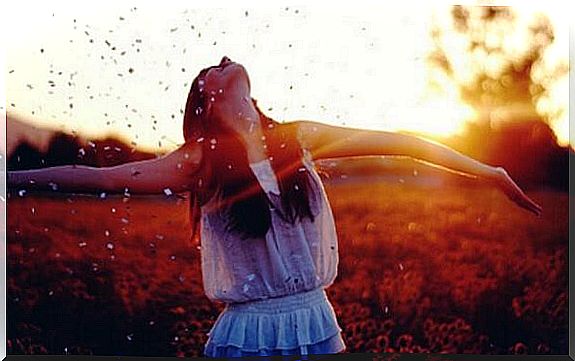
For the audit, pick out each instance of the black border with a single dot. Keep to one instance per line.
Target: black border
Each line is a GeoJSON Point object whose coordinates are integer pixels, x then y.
{"type": "Point", "coordinates": [348, 356]}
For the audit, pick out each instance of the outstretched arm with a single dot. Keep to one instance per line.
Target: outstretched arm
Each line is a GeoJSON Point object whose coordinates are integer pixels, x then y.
{"type": "Point", "coordinates": [326, 141]}
{"type": "Point", "coordinates": [173, 171]}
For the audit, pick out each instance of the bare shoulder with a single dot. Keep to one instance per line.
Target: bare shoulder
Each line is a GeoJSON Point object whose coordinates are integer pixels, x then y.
{"type": "Point", "coordinates": [307, 126]}
{"type": "Point", "coordinates": [311, 134]}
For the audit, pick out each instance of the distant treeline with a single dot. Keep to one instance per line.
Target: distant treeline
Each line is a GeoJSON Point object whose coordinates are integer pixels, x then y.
{"type": "Point", "coordinates": [66, 149]}
{"type": "Point", "coordinates": [528, 150]}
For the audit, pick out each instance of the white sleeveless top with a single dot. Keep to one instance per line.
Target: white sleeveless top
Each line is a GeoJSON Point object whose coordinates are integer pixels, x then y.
{"type": "Point", "coordinates": [290, 259]}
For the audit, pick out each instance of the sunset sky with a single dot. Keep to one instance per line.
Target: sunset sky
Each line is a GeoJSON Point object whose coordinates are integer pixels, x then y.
{"type": "Point", "coordinates": [104, 69]}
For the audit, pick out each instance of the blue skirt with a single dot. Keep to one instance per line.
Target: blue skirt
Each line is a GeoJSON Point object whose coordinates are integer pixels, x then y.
{"type": "Point", "coordinates": [298, 324]}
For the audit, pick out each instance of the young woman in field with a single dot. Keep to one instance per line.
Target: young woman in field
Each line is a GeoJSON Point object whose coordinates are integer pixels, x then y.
{"type": "Point", "coordinates": [268, 239]}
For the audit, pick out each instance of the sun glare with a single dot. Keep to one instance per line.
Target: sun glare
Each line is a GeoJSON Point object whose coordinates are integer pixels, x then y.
{"type": "Point", "coordinates": [127, 71]}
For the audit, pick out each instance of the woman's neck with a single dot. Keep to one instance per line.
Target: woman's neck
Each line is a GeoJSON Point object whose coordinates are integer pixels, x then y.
{"type": "Point", "coordinates": [253, 137]}
{"type": "Point", "coordinates": [255, 147]}
{"type": "Point", "coordinates": [243, 118]}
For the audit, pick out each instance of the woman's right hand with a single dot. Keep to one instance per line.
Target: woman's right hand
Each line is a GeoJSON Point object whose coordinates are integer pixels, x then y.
{"type": "Point", "coordinates": [514, 193]}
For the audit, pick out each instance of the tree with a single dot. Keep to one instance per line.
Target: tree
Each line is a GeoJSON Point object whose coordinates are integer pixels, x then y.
{"type": "Point", "coordinates": [496, 57]}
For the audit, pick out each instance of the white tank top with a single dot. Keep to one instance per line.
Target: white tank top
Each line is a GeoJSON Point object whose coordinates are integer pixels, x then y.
{"type": "Point", "coordinates": [289, 259]}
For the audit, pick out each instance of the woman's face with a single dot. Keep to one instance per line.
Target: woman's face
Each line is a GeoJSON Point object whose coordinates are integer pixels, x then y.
{"type": "Point", "coordinates": [227, 77]}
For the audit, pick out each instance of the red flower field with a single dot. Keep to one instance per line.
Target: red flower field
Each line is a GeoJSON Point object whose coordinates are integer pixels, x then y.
{"type": "Point", "coordinates": [422, 269]}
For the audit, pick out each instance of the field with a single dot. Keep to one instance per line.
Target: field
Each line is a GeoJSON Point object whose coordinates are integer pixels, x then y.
{"type": "Point", "coordinates": [422, 269]}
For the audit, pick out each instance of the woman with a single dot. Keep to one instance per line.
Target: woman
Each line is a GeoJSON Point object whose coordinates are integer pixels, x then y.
{"type": "Point", "coordinates": [269, 245]}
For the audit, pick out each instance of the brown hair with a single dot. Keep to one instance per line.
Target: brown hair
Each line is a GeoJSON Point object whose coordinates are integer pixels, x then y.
{"type": "Point", "coordinates": [244, 203]}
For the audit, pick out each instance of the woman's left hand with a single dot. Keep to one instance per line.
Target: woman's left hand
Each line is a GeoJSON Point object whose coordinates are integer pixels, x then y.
{"type": "Point", "coordinates": [513, 192]}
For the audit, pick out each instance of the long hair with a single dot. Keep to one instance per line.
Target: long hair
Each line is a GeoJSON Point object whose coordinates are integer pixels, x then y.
{"type": "Point", "coordinates": [226, 172]}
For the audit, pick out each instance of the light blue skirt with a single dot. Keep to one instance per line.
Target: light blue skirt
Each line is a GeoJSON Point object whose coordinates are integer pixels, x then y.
{"type": "Point", "coordinates": [298, 324]}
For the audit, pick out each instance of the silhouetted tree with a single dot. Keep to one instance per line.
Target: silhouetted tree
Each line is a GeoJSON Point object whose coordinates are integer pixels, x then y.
{"type": "Point", "coordinates": [495, 77]}
{"type": "Point", "coordinates": [25, 156]}
{"type": "Point", "coordinates": [493, 74]}
{"type": "Point", "coordinates": [63, 149]}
